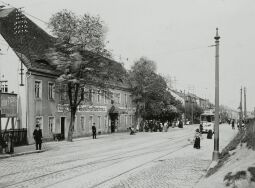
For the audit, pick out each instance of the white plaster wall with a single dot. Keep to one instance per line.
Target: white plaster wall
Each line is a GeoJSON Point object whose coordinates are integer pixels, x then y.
{"type": "Point", "coordinates": [10, 71]}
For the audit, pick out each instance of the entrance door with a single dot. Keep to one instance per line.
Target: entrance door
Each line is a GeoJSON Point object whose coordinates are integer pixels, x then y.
{"type": "Point", "coordinates": [62, 124]}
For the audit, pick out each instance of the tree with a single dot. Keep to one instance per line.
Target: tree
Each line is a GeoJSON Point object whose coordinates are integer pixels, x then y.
{"type": "Point", "coordinates": [141, 75]}
{"type": "Point", "coordinates": [150, 93]}
{"type": "Point", "coordinates": [80, 64]}
{"type": "Point", "coordinates": [86, 30]}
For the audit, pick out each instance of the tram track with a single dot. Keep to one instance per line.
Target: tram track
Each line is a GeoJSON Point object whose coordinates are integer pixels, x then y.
{"type": "Point", "coordinates": [111, 158]}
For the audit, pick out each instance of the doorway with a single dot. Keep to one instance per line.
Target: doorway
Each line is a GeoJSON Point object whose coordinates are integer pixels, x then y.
{"type": "Point", "coordinates": [62, 124]}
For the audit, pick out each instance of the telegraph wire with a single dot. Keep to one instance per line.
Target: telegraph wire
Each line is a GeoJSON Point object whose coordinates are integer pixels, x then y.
{"type": "Point", "coordinates": [26, 13]}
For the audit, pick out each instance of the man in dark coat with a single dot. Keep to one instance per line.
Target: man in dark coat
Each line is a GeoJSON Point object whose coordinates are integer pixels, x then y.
{"type": "Point", "coordinates": [94, 131]}
{"type": "Point", "coordinates": [38, 137]}
{"type": "Point", "coordinates": [233, 124]}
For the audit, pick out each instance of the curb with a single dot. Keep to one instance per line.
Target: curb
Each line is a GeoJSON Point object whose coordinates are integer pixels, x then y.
{"type": "Point", "coordinates": [4, 156]}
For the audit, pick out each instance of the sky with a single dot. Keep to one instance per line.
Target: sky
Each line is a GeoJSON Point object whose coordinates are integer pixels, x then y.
{"type": "Point", "coordinates": [176, 34]}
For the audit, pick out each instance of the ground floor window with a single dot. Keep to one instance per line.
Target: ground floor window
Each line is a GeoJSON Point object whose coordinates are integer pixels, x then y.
{"type": "Point", "coordinates": [39, 121]}
{"type": "Point", "coordinates": [131, 122]}
{"type": "Point", "coordinates": [90, 122]}
{"type": "Point", "coordinates": [126, 121]}
{"type": "Point", "coordinates": [82, 122]}
{"type": "Point", "coordinates": [51, 124]}
{"type": "Point", "coordinates": [99, 122]}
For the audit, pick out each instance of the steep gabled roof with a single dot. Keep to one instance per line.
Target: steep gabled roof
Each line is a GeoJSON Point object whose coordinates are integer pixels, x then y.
{"type": "Point", "coordinates": [32, 46]}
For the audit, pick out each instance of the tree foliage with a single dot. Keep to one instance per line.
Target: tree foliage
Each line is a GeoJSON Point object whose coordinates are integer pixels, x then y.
{"type": "Point", "coordinates": [86, 30]}
{"type": "Point", "coordinates": [150, 93]}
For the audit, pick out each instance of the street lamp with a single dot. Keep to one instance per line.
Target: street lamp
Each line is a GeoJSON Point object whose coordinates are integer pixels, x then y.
{"type": "Point", "coordinates": [216, 124]}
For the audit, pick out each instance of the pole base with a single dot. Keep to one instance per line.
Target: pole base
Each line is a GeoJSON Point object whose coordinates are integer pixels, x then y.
{"type": "Point", "coordinates": [216, 155]}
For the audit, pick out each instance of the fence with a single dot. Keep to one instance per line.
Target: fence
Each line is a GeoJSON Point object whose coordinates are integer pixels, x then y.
{"type": "Point", "coordinates": [19, 136]}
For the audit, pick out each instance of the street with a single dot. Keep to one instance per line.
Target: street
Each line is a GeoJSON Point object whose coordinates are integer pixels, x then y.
{"type": "Point", "coordinates": [158, 159]}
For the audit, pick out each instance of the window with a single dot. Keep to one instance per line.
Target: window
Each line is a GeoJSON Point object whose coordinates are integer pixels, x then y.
{"type": "Point", "coordinates": [4, 87]}
{"type": "Point", "coordinates": [63, 92]}
{"type": "Point", "coordinates": [126, 99]}
{"type": "Point", "coordinates": [131, 122]}
{"type": "Point", "coordinates": [38, 89]}
{"type": "Point", "coordinates": [106, 121]}
{"type": "Point", "coordinates": [99, 122]}
{"type": "Point", "coordinates": [82, 122]}
{"type": "Point", "coordinates": [91, 95]}
{"type": "Point", "coordinates": [90, 122]}
{"type": "Point", "coordinates": [126, 120]}
{"type": "Point", "coordinates": [51, 124]}
{"type": "Point", "coordinates": [39, 121]}
{"type": "Point", "coordinates": [116, 98]}
{"type": "Point", "coordinates": [51, 92]}
{"type": "Point", "coordinates": [98, 96]}
{"type": "Point", "coordinates": [130, 99]}
{"type": "Point", "coordinates": [105, 97]}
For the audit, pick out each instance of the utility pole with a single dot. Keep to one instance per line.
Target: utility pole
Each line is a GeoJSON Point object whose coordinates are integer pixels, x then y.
{"type": "Point", "coordinates": [216, 124]}
{"type": "Point", "coordinates": [245, 110]}
{"type": "Point", "coordinates": [241, 107]}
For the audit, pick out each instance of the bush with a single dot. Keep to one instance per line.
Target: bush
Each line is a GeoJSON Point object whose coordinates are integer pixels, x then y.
{"type": "Point", "coordinates": [249, 137]}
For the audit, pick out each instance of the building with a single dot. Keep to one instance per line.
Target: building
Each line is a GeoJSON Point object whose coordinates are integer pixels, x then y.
{"type": "Point", "coordinates": [32, 78]}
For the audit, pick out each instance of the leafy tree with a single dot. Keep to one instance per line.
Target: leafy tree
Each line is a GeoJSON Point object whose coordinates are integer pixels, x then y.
{"type": "Point", "coordinates": [86, 31]}
{"type": "Point", "coordinates": [150, 93]}
{"type": "Point", "coordinates": [79, 61]}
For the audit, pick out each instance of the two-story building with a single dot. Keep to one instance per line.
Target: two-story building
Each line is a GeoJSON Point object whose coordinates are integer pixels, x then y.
{"type": "Point", "coordinates": [32, 77]}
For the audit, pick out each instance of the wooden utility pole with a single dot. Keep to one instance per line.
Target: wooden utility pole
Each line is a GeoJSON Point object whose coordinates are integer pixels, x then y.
{"type": "Point", "coordinates": [216, 124]}
{"type": "Point", "coordinates": [244, 98]}
{"type": "Point", "coordinates": [241, 107]}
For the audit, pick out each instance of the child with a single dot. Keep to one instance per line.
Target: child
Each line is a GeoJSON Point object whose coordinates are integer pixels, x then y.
{"type": "Point", "coordinates": [197, 139]}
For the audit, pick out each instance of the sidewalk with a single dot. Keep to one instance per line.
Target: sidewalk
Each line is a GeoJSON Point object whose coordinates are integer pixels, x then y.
{"type": "Point", "coordinates": [46, 146]}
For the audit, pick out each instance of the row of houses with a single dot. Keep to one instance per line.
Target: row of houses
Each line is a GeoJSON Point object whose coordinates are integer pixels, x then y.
{"type": "Point", "coordinates": [188, 98]}
{"type": "Point", "coordinates": [32, 78]}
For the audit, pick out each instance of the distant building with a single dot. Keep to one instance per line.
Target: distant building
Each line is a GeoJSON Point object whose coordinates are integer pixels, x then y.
{"type": "Point", "coordinates": [188, 98]}
{"type": "Point", "coordinates": [38, 103]}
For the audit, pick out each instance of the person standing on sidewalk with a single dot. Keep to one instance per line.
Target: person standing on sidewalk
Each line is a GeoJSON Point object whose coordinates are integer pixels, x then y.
{"type": "Point", "coordinates": [38, 137]}
{"type": "Point", "coordinates": [94, 131]}
{"type": "Point", "coordinates": [233, 124]}
{"type": "Point", "coordinates": [197, 139]}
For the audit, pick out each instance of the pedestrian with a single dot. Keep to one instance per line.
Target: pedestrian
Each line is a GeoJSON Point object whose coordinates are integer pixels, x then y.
{"type": "Point", "coordinates": [38, 137]}
{"type": "Point", "coordinates": [94, 131]}
{"type": "Point", "coordinates": [197, 139]}
{"type": "Point", "coordinates": [233, 124]}
{"type": "Point", "coordinates": [201, 128]}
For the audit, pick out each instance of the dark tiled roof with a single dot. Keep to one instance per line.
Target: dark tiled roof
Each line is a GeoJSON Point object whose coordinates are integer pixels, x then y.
{"type": "Point", "coordinates": [32, 46]}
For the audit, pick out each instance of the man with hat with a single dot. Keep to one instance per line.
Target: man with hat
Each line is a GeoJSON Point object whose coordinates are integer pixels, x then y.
{"type": "Point", "coordinates": [38, 137]}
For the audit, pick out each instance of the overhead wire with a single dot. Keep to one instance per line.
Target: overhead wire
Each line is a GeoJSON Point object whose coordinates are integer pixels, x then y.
{"type": "Point", "coordinates": [25, 12]}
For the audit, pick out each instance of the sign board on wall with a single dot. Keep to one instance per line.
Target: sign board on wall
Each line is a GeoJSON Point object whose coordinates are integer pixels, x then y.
{"type": "Point", "coordinates": [9, 104]}
{"type": "Point", "coordinates": [82, 108]}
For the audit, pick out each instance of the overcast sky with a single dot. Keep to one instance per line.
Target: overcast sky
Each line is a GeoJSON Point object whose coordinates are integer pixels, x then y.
{"type": "Point", "coordinates": [175, 34]}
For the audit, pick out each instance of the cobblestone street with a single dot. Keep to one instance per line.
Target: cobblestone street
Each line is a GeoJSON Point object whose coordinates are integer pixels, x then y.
{"type": "Point", "coordinates": [160, 159]}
